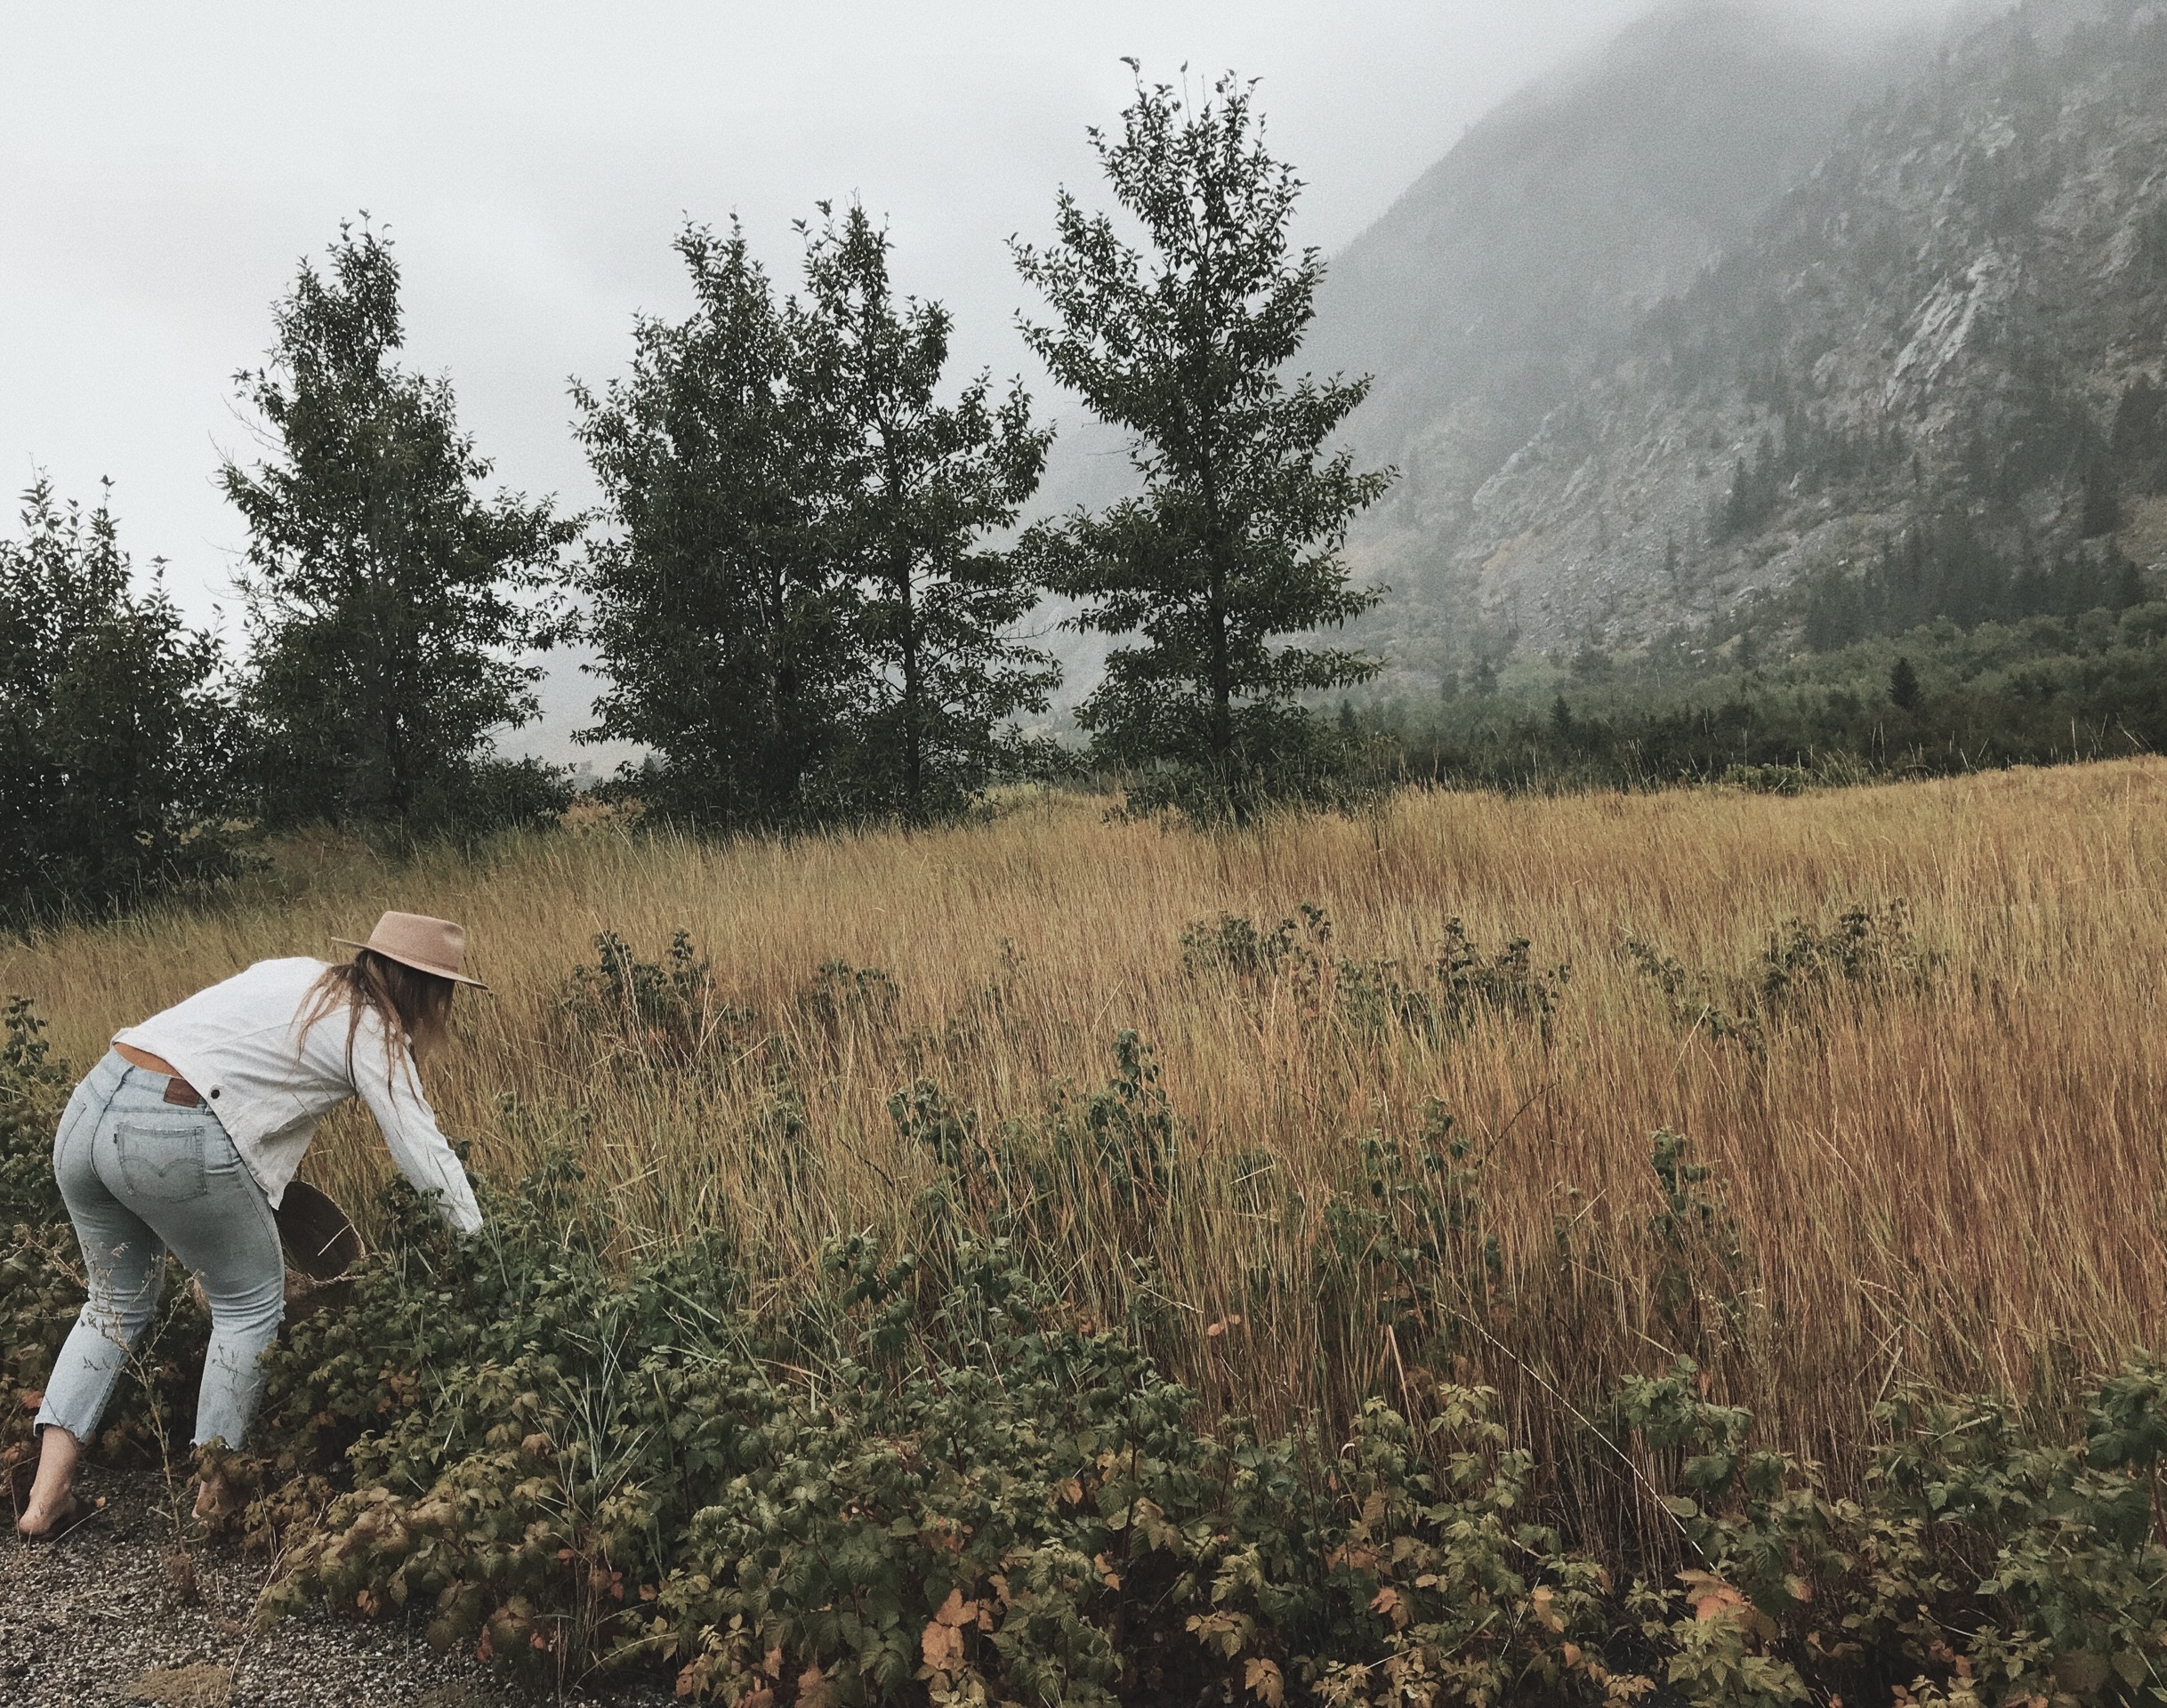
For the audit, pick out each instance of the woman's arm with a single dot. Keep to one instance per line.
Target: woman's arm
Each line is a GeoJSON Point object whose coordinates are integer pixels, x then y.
{"type": "Point", "coordinates": [409, 1125]}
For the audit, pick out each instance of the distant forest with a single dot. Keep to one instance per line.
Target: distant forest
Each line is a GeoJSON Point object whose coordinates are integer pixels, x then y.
{"type": "Point", "coordinates": [2019, 664]}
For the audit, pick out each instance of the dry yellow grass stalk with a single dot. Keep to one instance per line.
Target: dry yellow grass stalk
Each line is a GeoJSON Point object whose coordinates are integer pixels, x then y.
{"type": "Point", "coordinates": [1963, 1184]}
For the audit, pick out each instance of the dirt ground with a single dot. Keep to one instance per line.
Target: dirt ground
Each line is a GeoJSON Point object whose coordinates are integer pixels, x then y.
{"type": "Point", "coordinates": [94, 1619]}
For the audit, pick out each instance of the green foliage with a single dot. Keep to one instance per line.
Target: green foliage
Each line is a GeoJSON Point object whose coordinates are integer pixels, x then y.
{"type": "Point", "coordinates": [388, 604]}
{"type": "Point", "coordinates": [1949, 574]}
{"type": "Point", "coordinates": [1699, 1271]}
{"type": "Point", "coordinates": [921, 1477]}
{"type": "Point", "coordinates": [116, 738]}
{"type": "Point", "coordinates": [720, 619]}
{"type": "Point", "coordinates": [1410, 1238]}
{"type": "Point", "coordinates": [665, 1014]}
{"type": "Point", "coordinates": [798, 609]}
{"type": "Point", "coordinates": [575, 1467]}
{"type": "Point", "coordinates": [1459, 987]}
{"type": "Point", "coordinates": [1869, 953]}
{"type": "Point", "coordinates": [1241, 946]}
{"type": "Point", "coordinates": [37, 1296]}
{"type": "Point", "coordinates": [1986, 1565]}
{"type": "Point", "coordinates": [1233, 548]}
{"type": "Point", "coordinates": [2046, 689]}
{"type": "Point", "coordinates": [918, 485]}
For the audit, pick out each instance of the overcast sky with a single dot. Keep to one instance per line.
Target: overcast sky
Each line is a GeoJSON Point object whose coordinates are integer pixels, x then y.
{"type": "Point", "coordinates": [162, 170]}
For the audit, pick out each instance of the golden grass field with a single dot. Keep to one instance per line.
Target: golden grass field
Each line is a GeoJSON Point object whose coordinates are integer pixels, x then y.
{"type": "Point", "coordinates": [1963, 1186]}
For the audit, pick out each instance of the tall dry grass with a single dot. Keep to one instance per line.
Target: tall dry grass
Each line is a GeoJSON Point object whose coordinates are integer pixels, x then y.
{"type": "Point", "coordinates": [1963, 1185]}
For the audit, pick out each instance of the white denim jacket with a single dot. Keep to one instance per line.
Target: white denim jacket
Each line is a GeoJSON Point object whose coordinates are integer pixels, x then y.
{"type": "Point", "coordinates": [239, 1044]}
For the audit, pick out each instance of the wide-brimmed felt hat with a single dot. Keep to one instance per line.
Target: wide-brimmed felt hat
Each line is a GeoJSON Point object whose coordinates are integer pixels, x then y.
{"type": "Point", "coordinates": [433, 946]}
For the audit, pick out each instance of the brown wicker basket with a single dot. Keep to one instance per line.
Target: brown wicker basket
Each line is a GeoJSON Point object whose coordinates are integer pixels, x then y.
{"type": "Point", "coordinates": [319, 1241]}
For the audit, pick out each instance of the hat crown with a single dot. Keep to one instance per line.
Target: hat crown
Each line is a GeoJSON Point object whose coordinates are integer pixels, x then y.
{"type": "Point", "coordinates": [424, 943]}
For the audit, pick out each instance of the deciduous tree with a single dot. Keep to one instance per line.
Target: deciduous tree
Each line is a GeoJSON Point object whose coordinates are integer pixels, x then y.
{"type": "Point", "coordinates": [390, 604]}
{"type": "Point", "coordinates": [1231, 551]}
{"type": "Point", "coordinates": [718, 601]}
{"type": "Point", "coordinates": [920, 485]}
{"type": "Point", "coordinates": [115, 732]}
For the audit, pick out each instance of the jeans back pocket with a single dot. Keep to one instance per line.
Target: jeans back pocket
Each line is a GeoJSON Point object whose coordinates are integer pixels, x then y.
{"type": "Point", "coordinates": [161, 1164]}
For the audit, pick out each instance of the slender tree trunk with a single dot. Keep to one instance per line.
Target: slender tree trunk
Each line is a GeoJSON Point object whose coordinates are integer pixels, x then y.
{"type": "Point", "coordinates": [776, 778]}
{"type": "Point", "coordinates": [1222, 669]}
{"type": "Point", "coordinates": [914, 689]}
{"type": "Point", "coordinates": [913, 685]}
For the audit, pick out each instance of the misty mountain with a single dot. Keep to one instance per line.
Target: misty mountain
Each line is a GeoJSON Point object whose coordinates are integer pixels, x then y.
{"type": "Point", "coordinates": [1491, 289]}
{"type": "Point", "coordinates": [1702, 324]}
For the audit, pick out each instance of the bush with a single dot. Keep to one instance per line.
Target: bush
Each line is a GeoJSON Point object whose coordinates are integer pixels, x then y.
{"type": "Point", "coordinates": [115, 736]}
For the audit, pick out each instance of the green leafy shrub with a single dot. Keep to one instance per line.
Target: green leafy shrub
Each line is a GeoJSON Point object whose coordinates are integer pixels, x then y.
{"type": "Point", "coordinates": [37, 1295]}
{"type": "Point", "coordinates": [924, 1475]}
{"type": "Point", "coordinates": [1870, 952]}
{"type": "Point", "coordinates": [1410, 1239]}
{"type": "Point", "coordinates": [1461, 987]}
{"type": "Point", "coordinates": [1239, 945]}
{"type": "Point", "coordinates": [661, 1014]}
{"type": "Point", "coordinates": [118, 736]}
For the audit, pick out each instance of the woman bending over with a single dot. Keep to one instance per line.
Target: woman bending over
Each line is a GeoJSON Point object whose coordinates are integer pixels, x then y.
{"type": "Point", "coordinates": [183, 1140]}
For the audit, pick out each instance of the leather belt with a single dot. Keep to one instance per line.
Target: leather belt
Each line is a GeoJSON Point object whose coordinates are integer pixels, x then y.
{"type": "Point", "coordinates": [178, 1090]}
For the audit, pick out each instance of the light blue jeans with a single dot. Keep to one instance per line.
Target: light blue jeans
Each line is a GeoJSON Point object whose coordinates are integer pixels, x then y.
{"type": "Point", "coordinates": [142, 1176]}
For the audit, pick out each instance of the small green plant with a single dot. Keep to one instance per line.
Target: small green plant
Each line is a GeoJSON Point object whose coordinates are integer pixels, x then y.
{"type": "Point", "coordinates": [1238, 944]}
{"type": "Point", "coordinates": [1769, 779]}
{"type": "Point", "coordinates": [1699, 1258]}
{"type": "Point", "coordinates": [1460, 987]}
{"type": "Point", "coordinates": [1691, 1005]}
{"type": "Point", "coordinates": [662, 1014]}
{"type": "Point", "coordinates": [1869, 953]}
{"type": "Point", "coordinates": [1409, 1238]}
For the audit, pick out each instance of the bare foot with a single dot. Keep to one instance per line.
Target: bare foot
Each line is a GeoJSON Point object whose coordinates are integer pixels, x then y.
{"type": "Point", "coordinates": [53, 1501]}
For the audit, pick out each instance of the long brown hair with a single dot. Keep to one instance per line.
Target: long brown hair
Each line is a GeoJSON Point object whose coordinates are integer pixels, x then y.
{"type": "Point", "coordinates": [415, 1006]}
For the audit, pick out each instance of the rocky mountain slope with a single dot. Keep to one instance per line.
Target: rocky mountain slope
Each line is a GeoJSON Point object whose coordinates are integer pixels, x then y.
{"type": "Point", "coordinates": [1491, 289]}
{"type": "Point", "coordinates": [1802, 336]}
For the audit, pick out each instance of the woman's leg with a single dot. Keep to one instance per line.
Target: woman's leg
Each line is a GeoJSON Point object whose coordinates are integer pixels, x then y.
{"type": "Point", "coordinates": [125, 1263]}
{"type": "Point", "coordinates": [229, 1237]}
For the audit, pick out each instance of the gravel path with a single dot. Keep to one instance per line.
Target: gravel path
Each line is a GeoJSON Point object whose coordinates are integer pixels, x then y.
{"type": "Point", "coordinates": [92, 1620]}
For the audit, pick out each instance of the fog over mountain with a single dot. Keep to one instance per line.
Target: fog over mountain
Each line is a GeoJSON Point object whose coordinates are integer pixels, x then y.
{"type": "Point", "coordinates": [1513, 267]}
{"type": "Point", "coordinates": [1731, 309]}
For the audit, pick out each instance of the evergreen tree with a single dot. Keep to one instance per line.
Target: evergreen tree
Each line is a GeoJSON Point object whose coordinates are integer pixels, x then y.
{"type": "Point", "coordinates": [115, 736]}
{"type": "Point", "coordinates": [388, 604]}
{"type": "Point", "coordinates": [1903, 685]}
{"type": "Point", "coordinates": [720, 605]}
{"type": "Point", "coordinates": [1233, 547]}
{"type": "Point", "coordinates": [919, 485]}
{"type": "Point", "coordinates": [2100, 503]}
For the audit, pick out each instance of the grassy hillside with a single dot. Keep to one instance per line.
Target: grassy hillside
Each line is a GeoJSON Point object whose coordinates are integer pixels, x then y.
{"type": "Point", "coordinates": [1938, 1158]}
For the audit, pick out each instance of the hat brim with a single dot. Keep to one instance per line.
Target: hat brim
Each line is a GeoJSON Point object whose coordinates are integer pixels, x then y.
{"type": "Point", "coordinates": [419, 966]}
